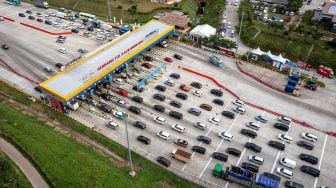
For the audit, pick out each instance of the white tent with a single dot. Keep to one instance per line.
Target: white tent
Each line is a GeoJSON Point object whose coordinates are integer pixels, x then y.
{"type": "Point", "coordinates": [279, 58]}
{"type": "Point", "coordinates": [257, 51]}
{"type": "Point", "coordinates": [202, 31]}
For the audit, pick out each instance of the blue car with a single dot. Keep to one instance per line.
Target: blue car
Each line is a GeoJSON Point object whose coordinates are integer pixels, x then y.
{"type": "Point", "coordinates": [262, 119]}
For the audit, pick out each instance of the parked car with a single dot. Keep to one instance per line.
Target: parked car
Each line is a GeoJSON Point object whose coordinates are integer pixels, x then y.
{"type": "Point", "coordinates": [216, 92]}
{"type": "Point", "coordinates": [277, 145]}
{"type": "Point", "coordinates": [169, 82]}
{"type": "Point", "coordinates": [160, 88]}
{"type": "Point", "coordinates": [220, 156]}
{"type": "Point", "coordinates": [228, 114]}
{"type": "Point", "coordinates": [164, 161]}
{"type": "Point", "coordinates": [168, 59]}
{"type": "Point", "coordinates": [147, 65]}
{"type": "Point", "coordinates": [306, 145]}
{"type": "Point", "coordinates": [293, 184]}
{"type": "Point", "coordinates": [31, 17]}
{"type": "Point", "coordinates": [22, 15]}
{"type": "Point", "coordinates": [240, 110]}
{"type": "Point", "coordinates": [214, 120]}
{"type": "Point", "coordinates": [176, 115]}
{"type": "Point", "coordinates": [159, 108]}
{"type": "Point", "coordinates": [148, 58]}
{"type": "Point", "coordinates": [285, 120]}
{"type": "Point", "coordinates": [134, 109]}
{"type": "Point", "coordinates": [252, 146]}
{"type": "Point", "coordinates": [200, 125]}
{"type": "Point", "coordinates": [48, 22]}
{"type": "Point", "coordinates": [159, 120]}
{"type": "Point", "coordinates": [164, 135]}
{"type": "Point", "coordinates": [159, 97]}
{"type": "Point", "coordinates": [225, 136]}
{"type": "Point", "coordinates": [196, 85]}
{"type": "Point", "coordinates": [285, 138]}
{"type": "Point", "coordinates": [140, 124]}
{"type": "Point", "coordinates": [112, 125]}
{"type": "Point", "coordinates": [181, 142]}
{"type": "Point", "coordinates": [176, 104]}
{"type": "Point", "coordinates": [177, 127]}
{"type": "Point", "coordinates": [29, 12]}
{"type": "Point", "coordinates": [105, 108]}
{"type": "Point", "coordinates": [175, 75]}
{"type": "Point", "coordinates": [182, 96]}
{"type": "Point", "coordinates": [198, 149]}
{"type": "Point", "coordinates": [143, 139]}
{"type": "Point", "coordinates": [253, 125]}
{"type": "Point", "coordinates": [233, 151]}
{"type": "Point", "coordinates": [218, 102]}
{"type": "Point", "coordinates": [197, 93]}
{"type": "Point", "coordinates": [206, 107]}
{"type": "Point", "coordinates": [256, 159]}
{"type": "Point", "coordinates": [74, 30]}
{"type": "Point", "coordinates": [273, 176]}
{"type": "Point", "coordinates": [194, 111]}
{"type": "Point", "coordinates": [284, 172]}
{"type": "Point", "coordinates": [40, 20]}
{"type": "Point", "coordinates": [308, 158]}
{"type": "Point", "coordinates": [310, 170]}
{"type": "Point", "coordinates": [308, 136]}
{"type": "Point", "coordinates": [178, 56]}
{"type": "Point", "coordinates": [204, 139]}
{"type": "Point", "coordinates": [137, 99]}
{"type": "Point", "coordinates": [249, 133]}
{"type": "Point", "coordinates": [251, 167]}
{"type": "Point", "coordinates": [5, 46]}
{"type": "Point", "coordinates": [238, 103]}
{"type": "Point", "coordinates": [262, 119]}
{"type": "Point", "coordinates": [62, 50]}
{"type": "Point", "coordinates": [281, 126]}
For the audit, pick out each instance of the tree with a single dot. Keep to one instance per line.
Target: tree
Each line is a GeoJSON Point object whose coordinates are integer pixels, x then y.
{"type": "Point", "coordinates": [295, 5]}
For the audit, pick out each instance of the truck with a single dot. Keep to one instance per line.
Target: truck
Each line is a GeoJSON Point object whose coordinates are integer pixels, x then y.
{"type": "Point", "coordinates": [292, 90]}
{"type": "Point", "coordinates": [245, 177]}
{"type": "Point", "coordinates": [325, 71]}
{"type": "Point", "coordinates": [181, 155]}
{"type": "Point", "coordinates": [215, 60]}
{"type": "Point", "coordinates": [41, 4]}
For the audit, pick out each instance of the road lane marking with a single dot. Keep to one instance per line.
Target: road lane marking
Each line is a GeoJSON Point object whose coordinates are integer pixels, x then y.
{"type": "Point", "coordinates": [321, 157]}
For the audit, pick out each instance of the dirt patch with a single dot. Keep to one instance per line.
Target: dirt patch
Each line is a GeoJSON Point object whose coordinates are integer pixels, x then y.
{"type": "Point", "coordinates": [164, 184]}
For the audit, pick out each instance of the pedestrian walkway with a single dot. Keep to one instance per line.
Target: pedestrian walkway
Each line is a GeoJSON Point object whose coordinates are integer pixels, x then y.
{"type": "Point", "coordinates": [25, 166]}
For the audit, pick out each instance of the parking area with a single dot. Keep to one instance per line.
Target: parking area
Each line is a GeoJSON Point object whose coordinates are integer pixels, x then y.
{"type": "Point", "coordinates": [201, 165]}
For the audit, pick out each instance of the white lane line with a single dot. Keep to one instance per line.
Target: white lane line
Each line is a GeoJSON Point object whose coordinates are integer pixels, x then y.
{"type": "Point", "coordinates": [242, 155]}
{"type": "Point", "coordinates": [321, 157]}
{"type": "Point", "coordinates": [219, 145]}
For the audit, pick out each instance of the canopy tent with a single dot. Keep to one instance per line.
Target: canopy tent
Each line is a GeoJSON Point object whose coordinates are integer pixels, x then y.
{"type": "Point", "coordinates": [202, 31]}
{"type": "Point", "coordinates": [257, 51]}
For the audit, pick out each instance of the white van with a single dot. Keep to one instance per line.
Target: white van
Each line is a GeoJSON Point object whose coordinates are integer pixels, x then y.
{"type": "Point", "coordinates": [284, 172]}
{"type": "Point", "coordinates": [232, 32]}
{"type": "Point", "coordinates": [287, 162]}
{"type": "Point", "coordinates": [256, 159]}
{"type": "Point", "coordinates": [225, 136]}
{"type": "Point", "coordinates": [285, 120]}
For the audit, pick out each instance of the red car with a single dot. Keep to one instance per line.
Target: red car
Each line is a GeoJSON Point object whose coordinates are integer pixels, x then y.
{"type": "Point", "coordinates": [39, 19]}
{"type": "Point", "coordinates": [168, 59]}
{"type": "Point", "coordinates": [147, 65]}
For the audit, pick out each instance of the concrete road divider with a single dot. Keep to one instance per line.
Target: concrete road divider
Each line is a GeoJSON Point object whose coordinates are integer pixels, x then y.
{"type": "Point", "coordinates": [45, 31]}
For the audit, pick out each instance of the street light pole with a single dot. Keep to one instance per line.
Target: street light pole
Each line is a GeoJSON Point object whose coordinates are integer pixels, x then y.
{"type": "Point", "coordinates": [240, 28]}
{"type": "Point", "coordinates": [132, 172]}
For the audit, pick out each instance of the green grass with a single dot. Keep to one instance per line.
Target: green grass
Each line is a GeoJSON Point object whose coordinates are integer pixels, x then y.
{"type": "Point", "coordinates": [213, 13]}
{"type": "Point", "coordinates": [189, 6]}
{"type": "Point", "coordinates": [67, 163]}
{"type": "Point", "coordinates": [10, 174]}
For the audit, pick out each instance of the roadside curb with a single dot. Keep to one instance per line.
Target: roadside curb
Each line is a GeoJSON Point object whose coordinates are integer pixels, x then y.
{"type": "Point", "coordinates": [45, 31]}
{"type": "Point", "coordinates": [8, 19]}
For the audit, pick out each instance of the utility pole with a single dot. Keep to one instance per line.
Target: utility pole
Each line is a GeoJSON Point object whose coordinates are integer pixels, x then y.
{"type": "Point", "coordinates": [240, 28]}
{"type": "Point", "coordinates": [109, 9]}
{"type": "Point", "coordinates": [132, 172]}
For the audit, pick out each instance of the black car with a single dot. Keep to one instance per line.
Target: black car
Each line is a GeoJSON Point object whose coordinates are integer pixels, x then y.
{"type": "Point", "coordinates": [148, 58]}
{"type": "Point", "coordinates": [175, 75]}
{"type": "Point", "coordinates": [218, 102]}
{"type": "Point", "coordinates": [220, 156]}
{"type": "Point", "coordinates": [160, 88]}
{"type": "Point", "coordinates": [5, 47]}
{"type": "Point", "coordinates": [59, 65]}
{"type": "Point", "coordinates": [134, 109]}
{"type": "Point", "coordinates": [31, 17]}
{"type": "Point", "coordinates": [159, 108]}
{"type": "Point", "coordinates": [204, 139]}
{"type": "Point", "coordinates": [38, 89]}
{"type": "Point", "coordinates": [90, 28]}
{"type": "Point", "coordinates": [105, 108]}
{"type": "Point", "coordinates": [181, 142]}
{"type": "Point", "coordinates": [164, 161]}
{"type": "Point", "coordinates": [308, 158]}
{"type": "Point", "coordinates": [310, 170]}
{"type": "Point", "coordinates": [281, 126]}
{"type": "Point", "coordinates": [252, 146]}
{"type": "Point", "coordinates": [198, 149]}
{"type": "Point", "coordinates": [137, 99]}
{"type": "Point", "coordinates": [273, 176]}
{"type": "Point", "coordinates": [217, 92]}
{"type": "Point", "coordinates": [29, 12]}
{"type": "Point", "coordinates": [159, 97]}
{"type": "Point", "coordinates": [22, 15]}
{"type": "Point", "coordinates": [293, 184]}
{"type": "Point", "coordinates": [182, 96]}
{"type": "Point", "coordinates": [178, 56]}
{"type": "Point", "coordinates": [228, 114]}
{"type": "Point", "coordinates": [48, 22]}
{"type": "Point", "coordinates": [305, 144]}
{"type": "Point", "coordinates": [176, 115]}
{"type": "Point", "coordinates": [233, 151]}
{"type": "Point", "coordinates": [196, 85]}
{"type": "Point", "coordinates": [195, 111]}
{"type": "Point", "coordinates": [277, 145]}
{"type": "Point", "coordinates": [176, 104]}
{"type": "Point", "coordinates": [140, 124]}
{"type": "Point", "coordinates": [143, 139]}
{"type": "Point", "coordinates": [251, 167]}
{"type": "Point", "coordinates": [74, 30]}
{"type": "Point", "coordinates": [106, 96]}
{"type": "Point", "coordinates": [249, 133]}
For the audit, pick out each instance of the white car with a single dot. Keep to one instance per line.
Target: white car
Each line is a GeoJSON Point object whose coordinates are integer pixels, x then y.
{"type": "Point", "coordinates": [310, 137]}
{"type": "Point", "coordinates": [120, 115]}
{"type": "Point", "coordinates": [238, 103]}
{"type": "Point", "coordinates": [200, 125]}
{"type": "Point", "coordinates": [240, 110]}
{"type": "Point", "coordinates": [163, 135]}
{"type": "Point", "coordinates": [118, 80]}
{"type": "Point", "coordinates": [235, 3]}
{"type": "Point", "coordinates": [112, 125]}
{"type": "Point", "coordinates": [253, 125]}
{"type": "Point", "coordinates": [225, 136]}
{"type": "Point", "coordinates": [198, 93]}
{"type": "Point", "coordinates": [159, 120]}
{"type": "Point", "coordinates": [56, 25]}
{"type": "Point", "coordinates": [178, 128]}
{"type": "Point", "coordinates": [62, 50]}
{"type": "Point", "coordinates": [79, 26]}
{"type": "Point", "coordinates": [284, 172]}
{"type": "Point", "coordinates": [285, 138]}
{"type": "Point", "coordinates": [214, 120]}
{"type": "Point", "coordinates": [120, 102]}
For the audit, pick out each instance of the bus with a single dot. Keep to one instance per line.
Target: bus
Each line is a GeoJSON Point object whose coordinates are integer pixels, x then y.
{"type": "Point", "coordinates": [86, 16]}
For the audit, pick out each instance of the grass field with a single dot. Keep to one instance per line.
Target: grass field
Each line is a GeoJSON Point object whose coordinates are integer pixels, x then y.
{"type": "Point", "coordinates": [67, 163]}
{"type": "Point", "coordinates": [10, 174]}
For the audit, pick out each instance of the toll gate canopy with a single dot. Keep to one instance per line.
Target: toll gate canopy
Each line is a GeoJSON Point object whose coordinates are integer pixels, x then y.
{"type": "Point", "coordinates": [91, 68]}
